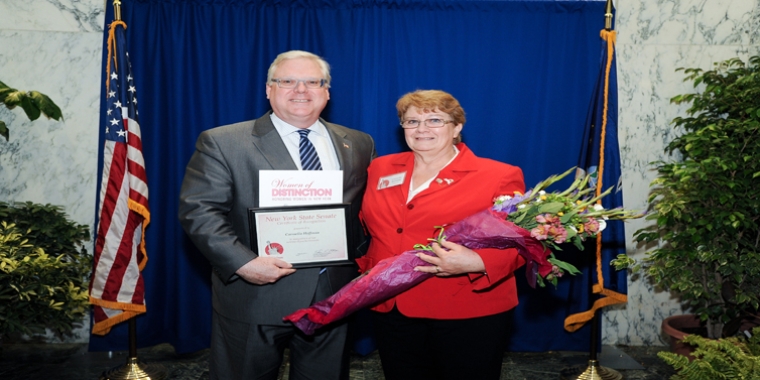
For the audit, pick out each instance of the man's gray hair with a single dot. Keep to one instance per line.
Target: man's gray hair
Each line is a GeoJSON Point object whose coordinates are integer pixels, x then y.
{"type": "Point", "coordinates": [293, 54]}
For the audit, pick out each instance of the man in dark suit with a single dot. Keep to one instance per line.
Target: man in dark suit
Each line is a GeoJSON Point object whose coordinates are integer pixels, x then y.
{"type": "Point", "coordinates": [252, 293]}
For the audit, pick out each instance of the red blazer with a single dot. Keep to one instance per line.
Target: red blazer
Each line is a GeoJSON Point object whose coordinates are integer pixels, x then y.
{"type": "Point", "coordinates": [468, 185]}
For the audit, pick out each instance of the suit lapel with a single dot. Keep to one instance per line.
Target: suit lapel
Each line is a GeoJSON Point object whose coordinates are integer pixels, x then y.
{"type": "Point", "coordinates": [344, 149]}
{"type": "Point", "coordinates": [343, 146]}
{"type": "Point", "coordinates": [269, 143]}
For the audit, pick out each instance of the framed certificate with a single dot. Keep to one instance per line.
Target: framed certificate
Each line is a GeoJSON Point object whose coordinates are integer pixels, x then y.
{"type": "Point", "coordinates": [305, 236]}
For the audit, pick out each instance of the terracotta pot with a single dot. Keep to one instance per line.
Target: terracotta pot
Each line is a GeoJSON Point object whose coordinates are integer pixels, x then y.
{"type": "Point", "coordinates": [675, 326]}
{"type": "Point", "coordinates": [750, 322]}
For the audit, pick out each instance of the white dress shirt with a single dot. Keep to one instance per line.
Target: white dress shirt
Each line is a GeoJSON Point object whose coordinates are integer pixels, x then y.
{"type": "Point", "coordinates": [319, 137]}
{"type": "Point", "coordinates": [426, 184]}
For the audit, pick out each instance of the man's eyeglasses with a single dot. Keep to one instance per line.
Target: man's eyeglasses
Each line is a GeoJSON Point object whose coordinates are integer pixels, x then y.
{"type": "Point", "coordinates": [430, 123]}
{"type": "Point", "coordinates": [293, 82]}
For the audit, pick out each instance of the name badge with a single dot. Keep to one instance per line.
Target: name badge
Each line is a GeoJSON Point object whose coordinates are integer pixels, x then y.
{"type": "Point", "coordinates": [391, 180]}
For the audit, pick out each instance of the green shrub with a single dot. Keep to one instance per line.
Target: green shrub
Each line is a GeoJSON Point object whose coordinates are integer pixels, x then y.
{"type": "Point", "coordinates": [727, 358]}
{"type": "Point", "coordinates": [705, 243]}
{"type": "Point", "coordinates": [44, 270]}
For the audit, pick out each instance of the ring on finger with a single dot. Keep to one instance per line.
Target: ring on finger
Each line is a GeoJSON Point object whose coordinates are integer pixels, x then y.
{"type": "Point", "coordinates": [437, 269]}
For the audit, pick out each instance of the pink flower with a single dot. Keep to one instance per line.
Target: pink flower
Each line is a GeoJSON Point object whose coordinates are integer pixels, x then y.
{"type": "Point", "coordinates": [547, 218]}
{"type": "Point", "coordinates": [541, 232]}
{"type": "Point", "coordinates": [550, 227]}
{"type": "Point", "coordinates": [558, 233]}
{"type": "Point", "coordinates": [591, 227]}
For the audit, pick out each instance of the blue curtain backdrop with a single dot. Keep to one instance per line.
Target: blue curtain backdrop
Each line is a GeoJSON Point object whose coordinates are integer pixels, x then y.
{"type": "Point", "coordinates": [524, 72]}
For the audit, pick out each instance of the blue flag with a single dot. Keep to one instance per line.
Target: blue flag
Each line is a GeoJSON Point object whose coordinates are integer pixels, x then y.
{"type": "Point", "coordinates": [600, 157]}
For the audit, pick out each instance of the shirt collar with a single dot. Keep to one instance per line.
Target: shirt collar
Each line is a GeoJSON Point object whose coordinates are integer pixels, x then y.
{"type": "Point", "coordinates": [284, 129]}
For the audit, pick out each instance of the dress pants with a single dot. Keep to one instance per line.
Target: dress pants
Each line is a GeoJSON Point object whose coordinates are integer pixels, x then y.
{"type": "Point", "coordinates": [421, 348]}
{"type": "Point", "coordinates": [247, 351]}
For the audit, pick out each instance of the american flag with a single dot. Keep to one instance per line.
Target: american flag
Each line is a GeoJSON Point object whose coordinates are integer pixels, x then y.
{"type": "Point", "coordinates": [116, 289]}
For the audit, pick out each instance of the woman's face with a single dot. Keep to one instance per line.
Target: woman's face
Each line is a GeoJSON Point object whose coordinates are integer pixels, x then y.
{"type": "Point", "coordinates": [424, 139]}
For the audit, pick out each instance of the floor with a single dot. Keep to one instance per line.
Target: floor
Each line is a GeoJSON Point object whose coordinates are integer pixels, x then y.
{"type": "Point", "coordinates": [73, 361]}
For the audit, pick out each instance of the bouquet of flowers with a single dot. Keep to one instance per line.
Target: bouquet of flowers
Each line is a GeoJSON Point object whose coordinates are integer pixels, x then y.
{"type": "Point", "coordinates": [534, 223]}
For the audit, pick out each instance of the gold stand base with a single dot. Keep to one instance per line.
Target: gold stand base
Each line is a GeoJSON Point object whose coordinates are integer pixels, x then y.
{"type": "Point", "coordinates": [596, 372]}
{"type": "Point", "coordinates": [134, 370]}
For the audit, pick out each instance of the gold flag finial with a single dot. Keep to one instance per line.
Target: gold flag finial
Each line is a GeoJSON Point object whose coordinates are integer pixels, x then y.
{"type": "Point", "coordinates": [607, 15]}
{"type": "Point", "coordinates": [117, 10]}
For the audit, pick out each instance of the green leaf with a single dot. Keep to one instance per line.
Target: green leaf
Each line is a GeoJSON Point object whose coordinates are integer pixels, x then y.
{"type": "Point", "coordinates": [566, 218]}
{"type": "Point", "coordinates": [31, 110]}
{"type": "Point", "coordinates": [46, 105]}
{"type": "Point", "coordinates": [571, 234]}
{"type": "Point", "coordinates": [14, 98]}
{"type": "Point", "coordinates": [567, 267]}
{"type": "Point", "coordinates": [517, 219]}
{"type": "Point", "coordinates": [4, 130]}
{"type": "Point", "coordinates": [4, 92]}
{"type": "Point", "coordinates": [550, 207]}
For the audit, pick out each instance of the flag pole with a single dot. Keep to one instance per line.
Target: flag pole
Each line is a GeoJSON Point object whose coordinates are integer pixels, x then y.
{"type": "Point", "coordinates": [594, 371]}
{"type": "Point", "coordinates": [607, 15]}
{"type": "Point", "coordinates": [133, 368]}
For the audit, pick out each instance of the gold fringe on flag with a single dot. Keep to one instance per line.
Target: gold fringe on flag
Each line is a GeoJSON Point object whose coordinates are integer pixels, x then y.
{"type": "Point", "coordinates": [111, 48]}
{"type": "Point", "coordinates": [143, 211]}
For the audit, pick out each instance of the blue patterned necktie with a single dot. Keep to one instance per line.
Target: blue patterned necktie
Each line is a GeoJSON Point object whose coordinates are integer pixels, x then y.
{"type": "Point", "coordinates": [309, 157]}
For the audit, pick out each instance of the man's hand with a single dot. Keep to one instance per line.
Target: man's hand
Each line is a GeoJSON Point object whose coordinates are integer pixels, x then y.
{"type": "Point", "coordinates": [265, 270]}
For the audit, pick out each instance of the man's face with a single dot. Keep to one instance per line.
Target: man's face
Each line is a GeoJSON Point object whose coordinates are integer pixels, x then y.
{"type": "Point", "coordinates": [299, 106]}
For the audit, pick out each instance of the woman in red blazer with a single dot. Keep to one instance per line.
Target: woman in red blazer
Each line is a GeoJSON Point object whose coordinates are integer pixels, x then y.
{"type": "Point", "coordinates": [454, 325]}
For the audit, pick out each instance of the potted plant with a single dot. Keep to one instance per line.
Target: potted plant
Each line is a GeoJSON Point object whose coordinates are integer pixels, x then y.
{"type": "Point", "coordinates": [728, 358]}
{"type": "Point", "coordinates": [44, 270]}
{"type": "Point", "coordinates": [34, 104]}
{"type": "Point", "coordinates": [706, 203]}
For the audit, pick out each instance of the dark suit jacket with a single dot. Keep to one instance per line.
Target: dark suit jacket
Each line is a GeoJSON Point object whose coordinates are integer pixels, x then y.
{"type": "Point", "coordinates": [221, 184]}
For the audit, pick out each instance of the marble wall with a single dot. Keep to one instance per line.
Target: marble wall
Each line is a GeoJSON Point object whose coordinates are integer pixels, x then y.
{"type": "Point", "coordinates": [54, 46]}
{"type": "Point", "coordinates": [654, 38]}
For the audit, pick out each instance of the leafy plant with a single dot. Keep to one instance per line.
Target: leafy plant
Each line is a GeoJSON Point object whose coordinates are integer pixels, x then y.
{"type": "Point", "coordinates": [706, 204]}
{"type": "Point", "coordinates": [728, 358]}
{"type": "Point", "coordinates": [32, 102]}
{"type": "Point", "coordinates": [44, 269]}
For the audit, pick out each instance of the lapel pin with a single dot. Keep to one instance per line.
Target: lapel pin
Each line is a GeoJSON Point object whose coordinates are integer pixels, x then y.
{"type": "Point", "coordinates": [345, 145]}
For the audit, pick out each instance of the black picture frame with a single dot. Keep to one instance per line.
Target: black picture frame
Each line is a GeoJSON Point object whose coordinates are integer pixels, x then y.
{"type": "Point", "coordinates": [345, 208]}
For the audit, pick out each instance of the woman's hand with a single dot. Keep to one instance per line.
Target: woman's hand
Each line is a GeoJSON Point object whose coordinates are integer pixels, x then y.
{"type": "Point", "coordinates": [450, 259]}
